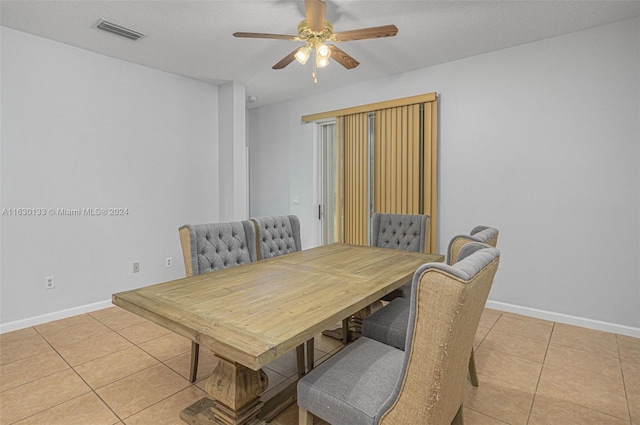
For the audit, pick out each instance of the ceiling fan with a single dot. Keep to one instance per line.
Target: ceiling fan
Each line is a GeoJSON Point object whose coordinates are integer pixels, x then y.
{"type": "Point", "coordinates": [315, 31]}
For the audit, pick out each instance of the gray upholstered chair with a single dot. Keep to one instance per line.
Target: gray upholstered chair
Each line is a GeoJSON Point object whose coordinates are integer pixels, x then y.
{"type": "Point", "coordinates": [389, 325]}
{"type": "Point", "coordinates": [275, 236]}
{"type": "Point", "coordinates": [408, 232]}
{"type": "Point", "coordinates": [369, 382]}
{"type": "Point", "coordinates": [215, 246]}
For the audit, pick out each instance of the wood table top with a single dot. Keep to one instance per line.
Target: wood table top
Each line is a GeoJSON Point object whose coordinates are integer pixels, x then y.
{"type": "Point", "coordinates": [255, 312]}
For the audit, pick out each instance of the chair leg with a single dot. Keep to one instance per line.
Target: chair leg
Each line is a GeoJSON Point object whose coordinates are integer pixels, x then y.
{"type": "Point", "coordinates": [345, 331]}
{"type": "Point", "coordinates": [193, 370]}
{"type": "Point", "coordinates": [300, 360]}
{"type": "Point", "coordinates": [310, 354]}
{"type": "Point", "coordinates": [458, 419]}
{"type": "Point", "coordinates": [472, 370]}
{"type": "Point", "coordinates": [304, 417]}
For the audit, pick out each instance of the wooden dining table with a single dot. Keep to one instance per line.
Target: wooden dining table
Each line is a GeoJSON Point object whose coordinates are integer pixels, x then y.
{"type": "Point", "coordinates": [251, 314]}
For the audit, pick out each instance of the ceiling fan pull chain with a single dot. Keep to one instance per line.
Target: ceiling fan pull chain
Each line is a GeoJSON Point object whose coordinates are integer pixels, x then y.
{"type": "Point", "coordinates": [313, 74]}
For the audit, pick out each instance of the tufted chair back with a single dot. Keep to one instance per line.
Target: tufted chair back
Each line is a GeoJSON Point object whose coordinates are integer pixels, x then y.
{"type": "Point", "coordinates": [276, 235]}
{"type": "Point", "coordinates": [483, 234]}
{"type": "Point", "coordinates": [215, 246]}
{"type": "Point", "coordinates": [408, 232]}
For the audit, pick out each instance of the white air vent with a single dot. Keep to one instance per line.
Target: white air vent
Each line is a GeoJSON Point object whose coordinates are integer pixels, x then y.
{"type": "Point", "coordinates": [118, 30]}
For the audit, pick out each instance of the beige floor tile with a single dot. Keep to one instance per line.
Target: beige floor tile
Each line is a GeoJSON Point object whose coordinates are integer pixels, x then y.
{"type": "Point", "coordinates": [167, 411]}
{"type": "Point", "coordinates": [518, 345]}
{"type": "Point", "coordinates": [290, 417]}
{"type": "Point", "coordinates": [182, 364]}
{"type": "Point", "coordinates": [631, 372]}
{"type": "Point", "coordinates": [17, 335]}
{"type": "Point", "coordinates": [507, 367]}
{"type": "Point", "coordinates": [629, 349]}
{"type": "Point", "coordinates": [57, 325]}
{"type": "Point", "coordinates": [629, 339]}
{"type": "Point", "coordinates": [31, 369]}
{"type": "Point", "coordinates": [326, 344]}
{"type": "Point", "coordinates": [489, 317]}
{"type": "Point", "coordinates": [275, 378]}
{"type": "Point", "coordinates": [587, 339]}
{"type": "Point", "coordinates": [582, 389]}
{"type": "Point", "coordinates": [481, 333]}
{"type": "Point", "coordinates": [34, 397]}
{"type": "Point", "coordinates": [555, 411]}
{"type": "Point", "coordinates": [143, 332]}
{"type": "Point", "coordinates": [115, 366]}
{"type": "Point", "coordinates": [513, 407]}
{"type": "Point", "coordinates": [471, 417]}
{"type": "Point", "coordinates": [105, 312]}
{"type": "Point", "coordinates": [122, 319]}
{"type": "Point", "coordinates": [583, 381]}
{"type": "Point", "coordinates": [136, 392]}
{"type": "Point", "coordinates": [16, 349]}
{"type": "Point", "coordinates": [276, 389]}
{"type": "Point", "coordinates": [87, 409]}
{"type": "Point", "coordinates": [93, 348]}
{"type": "Point", "coordinates": [534, 329]}
{"type": "Point", "coordinates": [60, 337]}
{"type": "Point", "coordinates": [600, 367]}
{"type": "Point", "coordinates": [286, 364]}
{"type": "Point", "coordinates": [167, 347]}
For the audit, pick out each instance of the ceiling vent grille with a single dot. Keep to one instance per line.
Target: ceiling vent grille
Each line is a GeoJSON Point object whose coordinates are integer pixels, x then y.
{"type": "Point", "coordinates": [118, 30]}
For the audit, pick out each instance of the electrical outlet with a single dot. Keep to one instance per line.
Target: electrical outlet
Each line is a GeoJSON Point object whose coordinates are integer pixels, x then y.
{"type": "Point", "coordinates": [136, 267]}
{"type": "Point", "coordinates": [169, 262]}
{"type": "Point", "coordinates": [49, 282]}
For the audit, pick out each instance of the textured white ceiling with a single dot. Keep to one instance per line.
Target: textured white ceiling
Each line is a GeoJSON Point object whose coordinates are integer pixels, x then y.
{"type": "Point", "coordinates": [194, 38]}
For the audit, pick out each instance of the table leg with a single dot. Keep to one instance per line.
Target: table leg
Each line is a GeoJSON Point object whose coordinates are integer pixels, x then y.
{"type": "Point", "coordinates": [234, 389]}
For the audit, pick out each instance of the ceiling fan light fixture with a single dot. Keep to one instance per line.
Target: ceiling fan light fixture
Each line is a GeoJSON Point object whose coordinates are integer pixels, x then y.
{"type": "Point", "coordinates": [323, 51]}
{"type": "Point", "coordinates": [321, 61]}
{"type": "Point", "coordinates": [302, 55]}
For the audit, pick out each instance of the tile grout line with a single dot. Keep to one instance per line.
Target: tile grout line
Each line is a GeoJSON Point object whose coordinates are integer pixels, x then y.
{"type": "Point", "coordinates": [535, 393]}
{"type": "Point", "coordinates": [122, 420]}
{"type": "Point", "coordinates": [624, 380]}
{"type": "Point", "coordinates": [91, 390]}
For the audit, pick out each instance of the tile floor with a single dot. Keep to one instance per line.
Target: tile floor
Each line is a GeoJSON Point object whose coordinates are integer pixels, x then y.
{"type": "Point", "coordinates": [112, 367]}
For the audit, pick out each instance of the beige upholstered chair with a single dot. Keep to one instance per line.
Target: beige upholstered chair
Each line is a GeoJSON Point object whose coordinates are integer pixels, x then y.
{"type": "Point", "coordinates": [214, 246]}
{"type": "Point", "coordinates": [483, 234]}
{"type": "Point", "coordinates": [389, 325]}
{"type": "Point", "coordinates": [369, 382]}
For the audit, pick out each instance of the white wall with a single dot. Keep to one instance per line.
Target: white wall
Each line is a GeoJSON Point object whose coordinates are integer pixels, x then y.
{"type": "Point", "coordinates": [281, 165]}
{"type": "Point", "coordinates": [232, 150]}
{"type": "Point", "coordinates": [82, 130]}
{"type": "Point", "coordinates": [541, 141]}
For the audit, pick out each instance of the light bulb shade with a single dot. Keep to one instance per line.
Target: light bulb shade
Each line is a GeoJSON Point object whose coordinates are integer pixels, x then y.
{"type": "Point", "coordinates": [323, 51]}
{"type": "Point", "coordinates": [321, 61]}
{"type": "Point", "coordinates": [302, 55]}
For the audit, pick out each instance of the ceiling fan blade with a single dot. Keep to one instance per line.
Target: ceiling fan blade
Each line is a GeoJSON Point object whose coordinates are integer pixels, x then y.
{"type": "Point", "coordinates": [315, 14]}
{"type": "Point", "coordinates": [286, 60]}
{"type": "Point", "coordinates": [342, 58]}
{"type": "Point", "coordinates": [364, 33]}
{"type": "Point", "coordinates": [261, 35]}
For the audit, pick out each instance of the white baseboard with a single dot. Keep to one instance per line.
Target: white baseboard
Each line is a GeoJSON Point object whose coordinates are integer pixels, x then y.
{"type": "Point", "coordinates": [63, 314]}
{"type": "Point", "coordinates": [566, 319]}
{"type": "Point", "coordinates": [496, 305]}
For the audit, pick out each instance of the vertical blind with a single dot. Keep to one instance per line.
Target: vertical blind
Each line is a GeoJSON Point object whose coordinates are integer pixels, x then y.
{"type": "Point", "coordinates": [356, 178]}
{"type": "Point", "coordinates": [388, 167]}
